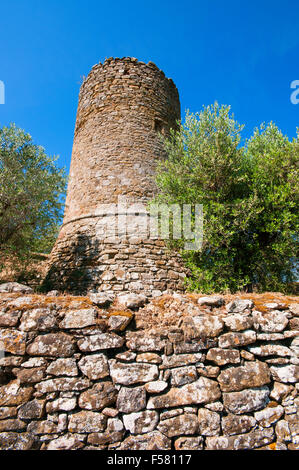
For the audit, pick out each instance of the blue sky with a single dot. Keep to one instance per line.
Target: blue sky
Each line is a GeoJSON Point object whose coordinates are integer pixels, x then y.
{"type": "Point", "coordinates": [244, 54]}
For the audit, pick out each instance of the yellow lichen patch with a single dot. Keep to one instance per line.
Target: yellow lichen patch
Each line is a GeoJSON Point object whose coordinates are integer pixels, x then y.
{"type": "Point", "coordinates": [272, 446]}
{"type": "Point", "coordinates": [122, 313]}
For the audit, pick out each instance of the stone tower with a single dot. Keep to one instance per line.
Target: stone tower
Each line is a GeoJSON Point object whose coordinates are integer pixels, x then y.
{"type": "Point", "coordinates": [124, 105]}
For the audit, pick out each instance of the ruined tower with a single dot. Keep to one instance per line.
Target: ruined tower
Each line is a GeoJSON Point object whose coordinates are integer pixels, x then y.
{"type": "Point", "coordinates": [123, 107]}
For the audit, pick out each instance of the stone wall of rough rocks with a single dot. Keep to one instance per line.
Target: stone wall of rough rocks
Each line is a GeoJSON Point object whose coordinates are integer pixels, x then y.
{"type": "Point", "coordinates": [180, 372]}
{"type": "Point", "coordinates": [124, 106]}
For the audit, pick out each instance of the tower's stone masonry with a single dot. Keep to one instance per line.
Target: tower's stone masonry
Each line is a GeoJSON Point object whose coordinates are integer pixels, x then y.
{"type": "Point", "coordinates": [124, 105]}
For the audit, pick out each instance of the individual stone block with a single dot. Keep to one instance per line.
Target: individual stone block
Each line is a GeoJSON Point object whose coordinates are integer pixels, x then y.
{"type": "Point", "coordinates": [184, 424]}
{"type": "Point", "coordinates": [94, 366]}
{"type": "Point", "coordinates": [141, 422]}
{"type": "Point", "coordinates": [9, 318]}
{"type": "Point", "coordinates": [178, 360]}
{"type": "Point", "coordinates": [131, 400]}
{"type": "Point", "coordinates": [223, 356]}
{"type": "Point", "coordinates": [234, 424]}
{"type": "Point", "coordinates": [63, 367]}
{"type": "Point", "coordinates": [113, 433]}
{"type": "Point", "coordinates": [189, 443]}
{"type": "Point", "coordinates": [238, 321]}
{"type": "Point", "coordinates": [79, 318]}
{"type": "Point", "coordinates": [209, 422]}
{"type": "Point", "coordinates": [285, 374]}
{"type": "Point", "coordinates": [269, 415]}
{"type": "Point", "coordinates": [202, 326]}
{"type": "Point", "coordinates": [67, 442]}
{"type": "Point", "coordinates": [102, 394]}
{"type": "Point", "coordinates": [17, 441]}
{"type": "Point", "coordinates": [234, 339]}
{"type": "Point", "coordinates": [183, 375]}
{"type": "Point", "coordinates": [270, 350]}
{"type": "Point", "coordinates": [239, 305]}
{"type": "Point", "coordinates": [137, 341]}
{"type": "Point", "coordinates": [211, 301]}
{"type": "Point", "coordinates": [13, 341]}
{"type": "Point", "coordinates": [202, 391]}
{"type": "Point", "coordinates": [246, 401]}
{"type": "Point", "coordinates": [252, 374]}
{"type": "Point", "coordinates": [100, 342]}
{"type": "Point", "coordinates": [87, 422]}
{"type": "Point", "coordinates": [156, 386]}
{"type": "Point", "coordinates": [62, 384]}
{"type": "Point", "coordinates": [61, 404]}
{"type": "Point", "coordinates": [13, 395]}
{"type": "Point", "coordinates": [52, 344]}
{"type": "Point", "coordinates": [40, 319]}
{"type": "Point", "coordinates": [150, 441]}
{"type": "Point", "coordinates": [12, 425]}
{"type": "Point", "coordinates": [273, 322]}
{"type": "Point", "coordinates": [132, 373]}
{"type": "Point", "coordinates": [33, 375]}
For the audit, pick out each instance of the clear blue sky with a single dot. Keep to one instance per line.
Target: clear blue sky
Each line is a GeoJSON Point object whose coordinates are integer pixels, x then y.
{"type": "Point", "coordinates": [244, 54]}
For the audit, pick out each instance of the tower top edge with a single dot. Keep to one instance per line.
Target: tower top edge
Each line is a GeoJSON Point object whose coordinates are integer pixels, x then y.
{"type": "Point", "coordinates": [114, 61]}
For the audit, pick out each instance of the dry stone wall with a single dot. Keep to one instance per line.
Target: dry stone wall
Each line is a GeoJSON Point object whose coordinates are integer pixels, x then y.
{"type": "Point", "coordinates": [124, 106]}
{"type": "Point", "coordinates": [181, 372]}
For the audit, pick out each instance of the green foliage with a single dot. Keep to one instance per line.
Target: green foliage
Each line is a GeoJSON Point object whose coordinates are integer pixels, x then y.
{"type": "Point", "coordinates": [250, 200]}
{"type": "Point", "coordinates": [32, 188]}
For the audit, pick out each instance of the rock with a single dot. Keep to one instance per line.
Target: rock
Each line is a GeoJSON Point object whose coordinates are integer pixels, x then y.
{"type": "Point", "coordinates": [66, 442]}
{"type": "Point", "coordinates": [132, 300]}
{"type": "Point", "coordinates": [194, 346]}
{"type": "Point", "coordinates": [101, 299]}
{"type": "Point", "coordinates": [126, 356]}
{"type": "Point", "coordinates": [157, 386]}
{"type": "Point", "coordinates": [202, 326]}
{"type": "Point", "coordinates": [273, 322]}
{"type": "Point", "coordinates": [285, 374]}
{"type": "Point", "coordinates": [280, 391]}
{"type": "Point", "coordinates": [188, 443]}
{"type": "Point", "coordinates": [53, 293]}
{"type": "Point", "coordinates": [13, 395]}
{"type": "Point", "coordinates": [131, 400]}
{"type": "Point", "coordinates": [34, 375]}
{"type": "Point", "coordinates": [150, 441]}
{"type": "Point", "coordinates": [16, 441]}
{"type": "Point", "coordinates": [86, 422]}
{"type": "Point", "coordinates": [61, 404]}
{"type": "Point", "coordinates": [102, 394]}
{"type": "Point", "coordinates": [211, 301]}
{"type": "Point", "coordinates": [8, 412]}
{"type": "Point", "coordinates": [62, 384]}
{"type": "Point", "coordinates": [12, 425]}
{"type": "Point", "coordinates": [282, 431]}
{"type": "Point", "coordinates": [52, 344]}
{"type": "Point", "coordinates": [239, 305]}
{"type": "Point", "coordinates": [294, 309]}
{"type": "Point", "coordinates": [15, 287]}
{"type": "Point", "coordinates": [270, 350]}
{"type": "Point", "coordinates": [150, 358]}
{"type": "Point", "coordinates": [63, 367]}
{"type": "Point", "coordinates": [247, 400]}
{"type": "Point", "coordinates": [137, 341]}
{"type": "Point", "coordinates": [40, 319]}
{"type": "Point", "coordinates": [184, 424]}
{"type": "Point", "coordinates": [114, 433]}
{"type": "Point", "coordinates": [223, 356]}
{"type": "Point", "coordinates": [9, 318]}
{"type": "Point", "coordinates": [183, 375]}
{"type": "Point", "coordinates": [209, 422]}
{"type": "Point", "coordinates": [202, 391]}
{"type": "Point", "coordinates": [13, 341]}
{"type": "Point", "coordinates": [100, 341]}
{"type": "Point", "coordinates": [141, 422]}
{"type": "Point", "coordinates": [79, 318]}
{"type": "Point", "coordinates": [234, 424]}
{"type": "Point", "coordinates": [251, 440]}
{"type": "Point", "coordinates": [234, 339]}
{"type": "Point", "coordinates": [171, 413]}
{"type": "Point", "coordinates": [180, 360]}
{"type": "Point", "coordinates": [42, 427]}
{"type": "Point", "coordinates": [238, 322]}
{"type": "Point", "coordinates": [216, 406]}
{"type": "Point", "coordinates": [132, 373]}
{"type": "Point", "coordinates": [119, 322]}
{"type": "Point", "coordinates": [269, 415]}
{"type": "Point", "coordinates": [94, 366]}
{"type": "Point", "coordinates": [208, 371]}
{"type": "Point", "coordinates": [252, 374]}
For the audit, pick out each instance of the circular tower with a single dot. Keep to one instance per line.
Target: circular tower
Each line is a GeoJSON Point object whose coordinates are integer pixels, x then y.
{"type": "Point", "coordinates": [123, 107]}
